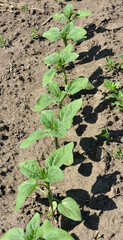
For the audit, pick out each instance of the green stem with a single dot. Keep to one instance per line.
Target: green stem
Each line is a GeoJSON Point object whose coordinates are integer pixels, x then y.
{"type": "Point", "coordinates": [65, 76]}
{"type": "Point", "coordinates": [41, 191]}
{"type": "Point", "coordinates": [56, 142]}
{"type": "Point", "coordinates": [50, 199]}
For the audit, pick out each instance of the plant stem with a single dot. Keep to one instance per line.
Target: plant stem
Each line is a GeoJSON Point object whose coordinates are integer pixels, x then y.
{"type": "Point", "coordinates": [50, 199]}
{"type": "Point", "coordinates": [65, 76]}
{"type": "Point", "coordinates": [41, 191]}
{"type": "Point", "coordinates": [56, 142]}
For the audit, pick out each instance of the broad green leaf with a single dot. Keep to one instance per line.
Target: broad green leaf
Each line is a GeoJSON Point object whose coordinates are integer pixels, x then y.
{"type": "Point", "coordinates": [44, 228]}
{"type": "Point", "coordinates": [59, 99]}
{"type": "Point", "coordinates": [58, 15]}
{"type": "Point", "coordinates": [32, 227]}
{"type": "Point", "coordinates": [47, 118]}
{"type": "Point", "coordinates": [54, 174]}
{"type": "Point", "coordinates": [67, 10]}
{"type": "Point", "coordinates": [61, 156]}
{"type": "Point", "coordinates": [39, 133]}
{"type": "Point", "coordinates": [67, 113]}
{"type": "Point", "coordinates": [67, 55]}
{"type": "Point", "coordinates": [44, 101]}
{"type": "Point", "coordinates": [76, 33]}
{"type": "Point", "coordinates": [69, 208]}
{"type": "Point", "coordinates": [77, 85]}
{"type": "Point", "coordinates": [48, 76]}
{"type": "Point", "coordinates": [31, 169]}
{"type": "Point", "coordinates": [52, 59]}
{"type": "Point", "coordinates": [53, 34]}
{"type": "Point", "coordinates": [60, 131]}
{"type": "Point", "coordinates": [24, 190]}
{"type": "Point", "coordinates": [54, 89]}
{"type": "Point", "coordinates": [14, 234]}
{"type": "Point", "coordinates": [81, 13]}
{"type": "Point", "coordinates": [57, 234]}
{"type": "Point", "coordinates": [66, 29]}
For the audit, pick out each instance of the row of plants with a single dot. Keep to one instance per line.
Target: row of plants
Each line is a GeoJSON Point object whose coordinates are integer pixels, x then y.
{"type": "Point", "coordinates": [41, 178]}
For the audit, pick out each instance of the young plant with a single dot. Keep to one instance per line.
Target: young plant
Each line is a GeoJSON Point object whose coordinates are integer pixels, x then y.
{"type": "Point", "coordinates": [68, 32]}
{"type": "Point", "coordinates": [54, 128]}
{"type": "Point", "coordinates": [116, 153]}
{"type": "Point", "coordinates": [111, 85]}
{"type": "Point", "coordinates": [59, 59]}
{"type": "Point", "coordinates": [104, 135]}
{"type": "Point", "coordinates": [25, 8]}
{"type": "Point", "coordinates": [69, 14]}
{"type": "Point", "coordinates": [118, 100]}
{"type": "Point", "coordinates": [2, 41]}
{"type": "Point", "coordinates": [42, 178]}
{"type": "Point", "coordinates": [71, 88]}
{"type": "Point", "coordinates": [110, 65]}
{"type": "Point", "coordinates": [120, 64]}
{"type": "Point", "coordinates": [116, 95]}
{"type": "Point", "coordinates": [34, 231]}
{"type": "Point", "coordinates": [34, 34]}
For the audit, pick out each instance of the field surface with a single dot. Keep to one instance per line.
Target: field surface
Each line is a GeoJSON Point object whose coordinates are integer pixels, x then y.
{"type": "Point", "coordinates": [95, 178]}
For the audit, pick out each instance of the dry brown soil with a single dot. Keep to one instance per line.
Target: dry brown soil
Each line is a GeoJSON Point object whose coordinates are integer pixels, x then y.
{"type": "Point", "coordinates": [94, 180]}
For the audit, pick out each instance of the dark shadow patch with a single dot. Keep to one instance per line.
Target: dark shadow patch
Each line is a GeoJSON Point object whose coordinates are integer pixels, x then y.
{"type": "Point", "coordinates": [80, 130]}
{"type": "Point", "coordinates": [89, 115]}
{"type": "Point", "coordinates": [85, 169]}
{"type": "Point", "coordinates": [90, 221]}
{"type": "Point", "coordinates": [78, 158]}
{"type": "Point", "coordinates": [102, 106]}
{"type": "Point", "coordinates": [104, 183]}
{"type": "Point", "coordinates": [102, 202]}
{"type": "Point", "coordinates": [89, 145]}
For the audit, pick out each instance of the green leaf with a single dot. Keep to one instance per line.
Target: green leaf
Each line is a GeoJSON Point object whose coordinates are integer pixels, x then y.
{"type": "Point", "coordinates": [77, 85]}
{"type": "Point", "coordinates": [69, 208]}
{"type": "Point", "coordinates": [67, 55]}
{"type": "Point", "coordinates": [39, 133]}
{"type": "Point", "coordinates": [61, 156]}
{"type": "Point", "coordinates": [81, 13]}
{"type": "Point", "coordinates": [57, 234]}
{"type": "Point", "coordinates": [60, 131]}
{"type": "Point", "coordinates": [52, 59]}
{"type": "Point", "coordinates": [44, 228]}
{"type": "Point", "coordinates": [48, 76]}
{"type": "Point", "coordinates": [54, 174]}
{"type": "Point", "coordinates": [76, 33]}
{"type": "Point", "coordinates": [31, 169]}
{"type": "Point", "coordinates": [67, 113]}
{"type": "Point", "coordinates": [66, 29]}
{"type": "Point", "coordinates": [60, 98]}
{"type": "Point", "coordinates": [53, 127]}
{"type": "Point", "coordinates": [67, 10]}
{"type": "Point", "coordinates": [53, 34]}
{"type": "Point", "coordinates": [47, 118]}
{"type": "Point", "coordinates": [14, 234]}
{"type": "Point", "coordinates": [24, 190]}
{"type": "Point", "coordinates": [44, 101]}
{"type": "Point", "coordinates": [54, 89]}
{"type": "Point", "coordinates": [32, 227]}
{"type": "Point", "coordinates": [58, 15]}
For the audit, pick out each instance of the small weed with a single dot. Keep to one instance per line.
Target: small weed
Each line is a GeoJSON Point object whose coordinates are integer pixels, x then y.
{"type": "Point", "coordinates": [120, 64]}
{"type": "Point", "coordinates": [104, 135]}
{"type": "Point", "coordinates": [34, 34]}
{"type": "Point", "coordinates": [116, 153]}
{"type": "Point", "coordinates": [25, 8]}
{"type": "Point", "coordinates": [109, 64]}
{"type": "Point", "coordinates": [3, 42]}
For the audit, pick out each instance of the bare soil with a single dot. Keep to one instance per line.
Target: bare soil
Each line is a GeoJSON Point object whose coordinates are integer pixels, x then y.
{"type": "Point", "coordinates": [95, 178]}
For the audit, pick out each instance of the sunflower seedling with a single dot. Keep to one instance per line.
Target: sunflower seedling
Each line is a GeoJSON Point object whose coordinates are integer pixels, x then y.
{"type": "Point", "coordinates": [69, 14]}
{"type": "Point", "coordinates": [68, 32]}
{"type": "Point", "coordinates": [34, 231]}
{"type": "Point", "coordinates": [54, 128]}
{"type": "Point", "coordinates": [41, 178]}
